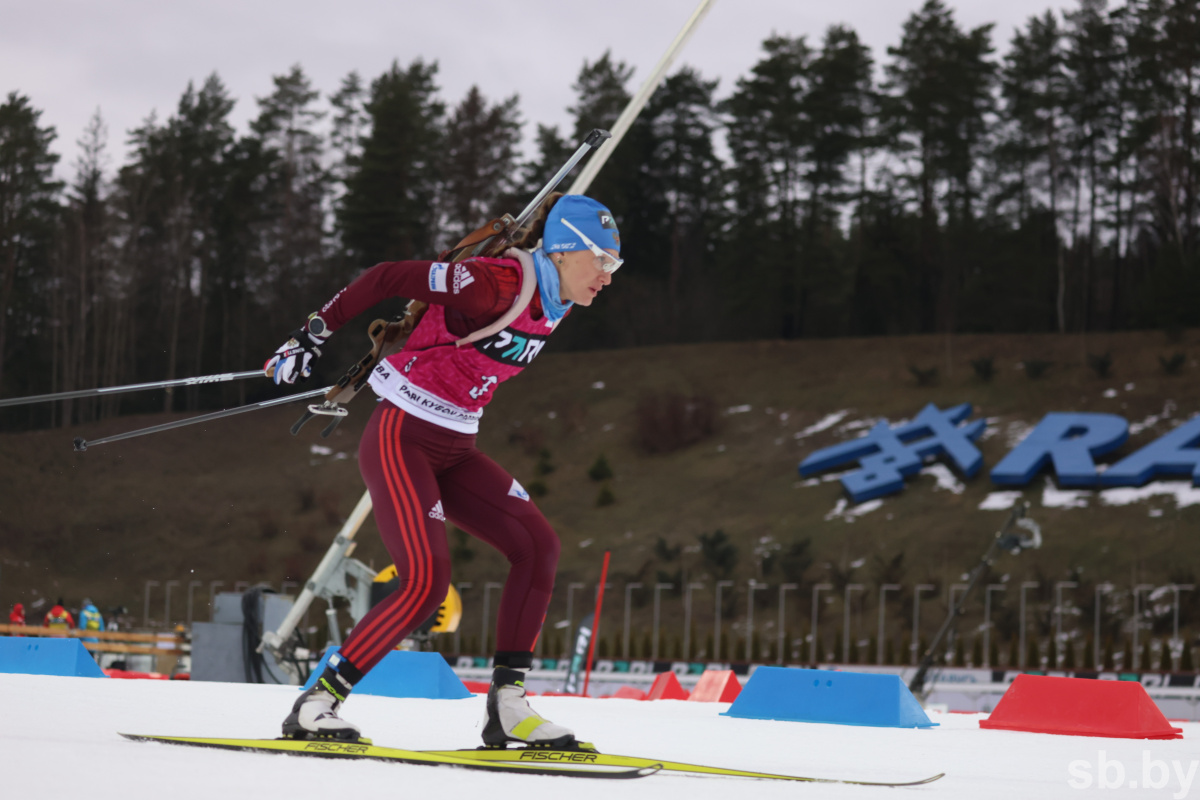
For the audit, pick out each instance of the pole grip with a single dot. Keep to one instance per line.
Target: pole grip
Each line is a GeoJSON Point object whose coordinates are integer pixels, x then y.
{"type": "Point", "coordinates": [597, 136]}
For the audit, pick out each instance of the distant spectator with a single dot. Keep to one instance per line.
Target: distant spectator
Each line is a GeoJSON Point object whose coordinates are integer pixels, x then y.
{"type": "Point", "coordinates": [116, 618]}
{"type": "Point", "coordinates": [58, 617]}
{"type": "Point", "coordinates": [16, 616]}
{"type": "Point", "coordinates": [90, 619]}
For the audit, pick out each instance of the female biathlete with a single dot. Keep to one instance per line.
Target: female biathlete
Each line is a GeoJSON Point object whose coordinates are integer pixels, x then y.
{"type": "Point", "coordinates": [418, 455]}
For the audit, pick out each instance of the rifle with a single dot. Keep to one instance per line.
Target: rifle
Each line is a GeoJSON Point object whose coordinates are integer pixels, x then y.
{"type": "Point", "coordinates": [387, 337]}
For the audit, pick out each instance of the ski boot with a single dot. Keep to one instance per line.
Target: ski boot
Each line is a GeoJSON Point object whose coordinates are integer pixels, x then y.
{"type": "Point", "coordinates": [314, 714]}
{"type": "Point", "coordinates": [510, 719]}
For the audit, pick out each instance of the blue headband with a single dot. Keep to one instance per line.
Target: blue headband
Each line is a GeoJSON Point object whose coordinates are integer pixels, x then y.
{"type": "Point", "coordinates": [591, 218]}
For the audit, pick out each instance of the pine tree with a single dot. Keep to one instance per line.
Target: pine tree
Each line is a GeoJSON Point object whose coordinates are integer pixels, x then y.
{"type": "Point", "coordinates": [1089, 57]}
{"type": "Point", "coordinates": [718, 553]}
{"type": "Point", "coordinates": [350, 124]}
{"type": "Point", "coordinates": [291, 232]}
{"type": "Point", "coordinates": [600, 470]}
{"type": "Point", "coordinates": [28, 210]}
{"type": "Point", "coordinates": [839, 99]}
{"type": "Point", "coordinates": [388, 210]}
{"type": "Point", "coordinates": [478, 162]}
{"type": "Point", "coordinates": [1031, 151]}
{"type": "Point", "coordinates": [179, 181]}
{"type": "Point", "coordinates": [938, 96]}
{"type": "Point", "coordinates": [680, 193]}
{"type": "Point", "coordinates": [768, 135]}
{"type": "Point", "coordinates": [81, 294]}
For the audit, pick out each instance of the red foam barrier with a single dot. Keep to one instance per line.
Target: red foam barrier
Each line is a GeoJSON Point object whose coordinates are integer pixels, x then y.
{"type": "Point", "coordinates": [1080, 707]}
{"type": "Point", "coordinates": [666, 687]}
{"type": "Point", "coordinates": [716, 686]}
{"type": "Point", "coordinates": [629, 693]}
{"type": "Point", "coordinates": [132, 675]}
{"type": "Point", "coordinates": [481, 687]}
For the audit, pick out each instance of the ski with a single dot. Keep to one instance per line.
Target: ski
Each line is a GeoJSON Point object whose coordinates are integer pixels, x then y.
{"type": "Point", "coordinates": [328, 748]}
{"type": "Point", "coordinates": [535, 755]}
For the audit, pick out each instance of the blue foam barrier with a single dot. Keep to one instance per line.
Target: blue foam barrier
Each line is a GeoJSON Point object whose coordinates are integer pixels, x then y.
{"type": "Point", "coordinates": [405, 673]}
{"type": "Point", "coordinates": [840, 698]}
{"type": "Point", "coordinates": [30, 656]}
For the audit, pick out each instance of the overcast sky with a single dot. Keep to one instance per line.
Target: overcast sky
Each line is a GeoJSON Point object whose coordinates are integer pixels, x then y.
{"type": "Point", "coordinates": [131, 57]}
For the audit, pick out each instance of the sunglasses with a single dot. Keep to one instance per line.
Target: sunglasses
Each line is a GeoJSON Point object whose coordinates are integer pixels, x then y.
{"type": "Point", "coordinates": [607, 262]}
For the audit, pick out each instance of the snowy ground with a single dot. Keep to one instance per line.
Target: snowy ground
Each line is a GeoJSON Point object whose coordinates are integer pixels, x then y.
{"type": "Point", "coordinates": [58, 737]}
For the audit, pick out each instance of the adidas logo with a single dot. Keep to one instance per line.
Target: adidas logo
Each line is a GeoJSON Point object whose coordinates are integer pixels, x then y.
{"type": "Point", "coordinates": [462, 278]}
{"type": "Point", "coordinates": [437, 513]}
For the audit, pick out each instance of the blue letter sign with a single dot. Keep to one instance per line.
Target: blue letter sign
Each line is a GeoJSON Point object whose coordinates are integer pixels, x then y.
{"type": "Point", "coordinates": [1177, 453]}
{"type": "Point", "coordinates": [1070, 441]}
{"type": "Point", "coordinates": [888, 454]}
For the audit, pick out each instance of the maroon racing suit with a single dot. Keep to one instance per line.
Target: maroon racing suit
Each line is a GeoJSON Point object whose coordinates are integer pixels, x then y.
{"type": "Point", "coordinates": [423, 469]}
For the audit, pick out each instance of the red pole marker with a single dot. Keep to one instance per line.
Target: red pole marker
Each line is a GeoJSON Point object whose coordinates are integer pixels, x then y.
{"type": "Point", "coordinates": [595, 623]}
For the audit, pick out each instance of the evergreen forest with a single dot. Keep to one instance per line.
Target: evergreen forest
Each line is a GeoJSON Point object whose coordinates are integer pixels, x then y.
{"type": "Point", "coordinates": [952, 184]}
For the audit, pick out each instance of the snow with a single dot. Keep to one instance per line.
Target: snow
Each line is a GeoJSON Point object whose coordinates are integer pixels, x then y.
{"type": "Point", "coordinates": [999, 501]}
{"type": "Point", "coordinates": [840, 511]}
{"type": "Point", "coordinates": [60, 742]}
{"type": "Point", "coordinates": [1053, 497]}
{"type": "Point", "coordinates": [1184, 493]}
{"type": "Point", "coordinates": [945, 478]}
{"type": "Point", "coordinates": [1015, 432]}
{"type": "Point", "coordinates": [823, 424]}
{"type": "Point", "coordinates": [991, 428]}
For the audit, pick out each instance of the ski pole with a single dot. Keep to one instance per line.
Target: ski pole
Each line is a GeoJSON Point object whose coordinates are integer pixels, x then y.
{"type": "Point", "coordinates": [82, 444]}
{"type": "Point", "coordinates": [134, 387]}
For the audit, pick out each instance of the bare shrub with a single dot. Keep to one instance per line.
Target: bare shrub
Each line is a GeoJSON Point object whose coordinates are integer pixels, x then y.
{"type": "Point", "coordinates": [529, 438]}
{"type": "Point", "coordinates": [670, 421]}
{"type": "Point", "coordinates": [311, 543]}
{"type": "Point", "coordinates": [328, 502]}
{"type": "Point", "coordinates": [268, 526]}
{"type": "Point", "coordinates": [573, 417]}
